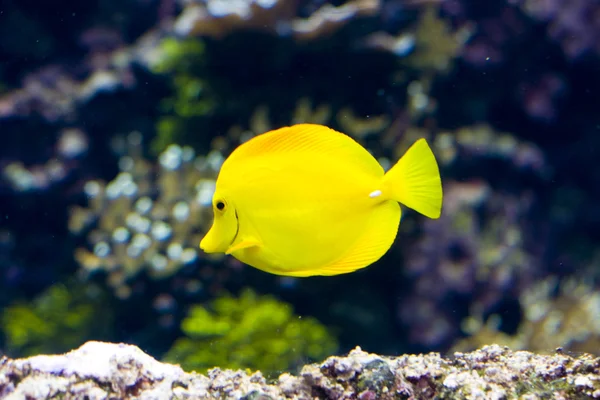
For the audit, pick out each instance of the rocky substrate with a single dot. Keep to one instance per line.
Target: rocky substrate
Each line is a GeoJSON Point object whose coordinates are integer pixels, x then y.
{"type": "Point", "coordinates": [100, 370]}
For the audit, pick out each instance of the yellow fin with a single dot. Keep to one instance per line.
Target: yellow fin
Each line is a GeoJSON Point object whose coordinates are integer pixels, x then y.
{"type": "Point", "coordinates": [244, 244]}
{"type": "Point", "coordinates": [377, 238]}
{"type": "Point", "coordinates": [306, 140]}
{"type": "Point", "coordinates": [415, 181]}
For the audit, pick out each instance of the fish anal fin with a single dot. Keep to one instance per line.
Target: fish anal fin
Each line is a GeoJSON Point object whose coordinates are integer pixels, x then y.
{"type": "Point", "coordinates": [243, 244]}
{"type": "Point", "coordinates": [378, 237]}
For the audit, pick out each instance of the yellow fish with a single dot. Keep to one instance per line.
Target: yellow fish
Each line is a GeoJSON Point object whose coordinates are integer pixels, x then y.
{"type": "Point", "coordinates": [306, 200]}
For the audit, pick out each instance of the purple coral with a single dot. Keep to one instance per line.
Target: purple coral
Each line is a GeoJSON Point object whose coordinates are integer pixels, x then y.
{"type": "Point", "coordinates": [477, 249]}
{"type": "Point", "coordinates": [574, 24]}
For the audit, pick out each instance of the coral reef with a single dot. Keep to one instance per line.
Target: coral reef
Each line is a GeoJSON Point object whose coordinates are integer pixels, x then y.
{"type": "Point", "coordinates": [217, 18]}
{"type": "Point", "coordinates": [149, 218]}
{"type": "Point", "coordinates": [572, 23]}
{"type": "Point", "coordinates": [193, 104]}
{"type": "Point", "coordinates": [52, 93]}
{"type": "Point", "coordinates": [477, 250]}
{"type": "Point", "coordinates": [184, 110]}
{"type": "Point", "coordinates": [100, 370]}
{"type": "Point", "coordinates": [59, 319]}
{"type": "Point", "coordinates": [82, 32]}
{"type": "Point", "coordinates": [71, 145]}
{"type": "Point", "coordinates": [305, 111]}
{"type": "Point", "coordinates": [481, 141]}
{"type": "Point", "coordinates": [256, 332]}
{"type": "Point", "coordinates": [55, 92]}
{"type": "Point", "coordinates": [430, 47]}
{"type": "Point", "coordinates": [566, 319]}
{"type": "Point", "coordinates": [468, 144]}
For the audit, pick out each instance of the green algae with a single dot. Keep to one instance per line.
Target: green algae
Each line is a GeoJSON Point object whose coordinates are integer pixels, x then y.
{"type": "Point", "coordinates": [251, 331]}
{"type": "Point", "coordinates": [58, 320]}
{"type": "Point", "coordinates": [191, 99]}
{"type": "Point", "coordinates": [436, 43]}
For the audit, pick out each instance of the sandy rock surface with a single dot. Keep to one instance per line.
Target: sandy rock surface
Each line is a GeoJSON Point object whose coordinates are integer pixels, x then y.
{"type": "Point", "coordinates": [98, 371]}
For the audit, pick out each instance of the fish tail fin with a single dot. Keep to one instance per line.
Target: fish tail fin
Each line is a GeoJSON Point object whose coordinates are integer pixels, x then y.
{"type": "Point", "coordinates": [415, 181]}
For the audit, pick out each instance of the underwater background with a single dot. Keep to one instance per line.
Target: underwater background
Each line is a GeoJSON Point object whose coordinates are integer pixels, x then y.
{"type": "Point", "coordinates": [115, 117]}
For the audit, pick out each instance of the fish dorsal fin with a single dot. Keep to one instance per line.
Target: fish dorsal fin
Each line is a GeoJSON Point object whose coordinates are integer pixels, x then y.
{"type": "Point", "coordinates": [310, 139]}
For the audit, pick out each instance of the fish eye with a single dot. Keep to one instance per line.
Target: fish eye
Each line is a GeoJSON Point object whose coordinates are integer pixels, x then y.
{"type": "Point", "coordinates": [220, 205]}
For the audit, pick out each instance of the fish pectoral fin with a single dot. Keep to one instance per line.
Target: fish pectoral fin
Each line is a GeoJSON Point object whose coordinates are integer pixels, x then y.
{"type": "Point", "coordinates": [244, 244]}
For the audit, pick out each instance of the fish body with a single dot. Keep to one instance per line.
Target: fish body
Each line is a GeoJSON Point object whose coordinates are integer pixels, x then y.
{"type": "Point", "coordinates": [307, 200]}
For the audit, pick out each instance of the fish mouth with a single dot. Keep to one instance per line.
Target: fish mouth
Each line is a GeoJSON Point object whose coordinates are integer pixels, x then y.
{"type": "Point", "coordinates": [237, 230]}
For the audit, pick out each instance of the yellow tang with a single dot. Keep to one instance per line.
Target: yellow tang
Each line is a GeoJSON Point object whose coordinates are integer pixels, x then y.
{"type": "Point", "coordinates": [307, 200]}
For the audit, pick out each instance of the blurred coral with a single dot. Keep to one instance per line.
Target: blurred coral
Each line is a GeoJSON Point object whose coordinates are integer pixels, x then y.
{"type": "Point", "coordinates": [71, 144]}
{"type": "Point", "coordinates": [305, 112]}
{"type": "Point", "coordinates": [477, 251]}
{"type": "Point", "coordinates": [182, 112]}
{"type": "Point", "coordinates": [555, 313]}
{"type": "Point", "coordinates": [251, 331]}
{"type": "Point", "coordinates": [482, 141]}
{"type": "Point", "coordinates": [217, 18]}
{"type": "Point", "coordinates": [149, 217]}
{"type": "Point", "coordinates": [436, 43]}
{"type": "Point", "coordinates": [574, 24]}
{"type": "Point", "coordinates": [492, 34]}
{"type": "Point", "coordinates": [480, 250]}
{"type": "Point", "coordinates": [430, 47]}
{"type": "Point", "coordinates": [539, 97]}
{"type": "Point", "coordinates": [467, 144]}
{"type": "Point", "coordinates": [54, 91]}
{"type": "Point", "coordinates": [360, 127]}
{"type": "Point", "coordinates": [61, 318]}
